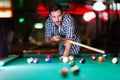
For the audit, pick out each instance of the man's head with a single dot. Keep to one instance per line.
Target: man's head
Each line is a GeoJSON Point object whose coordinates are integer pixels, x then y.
{"type": "Point", "coordinates": [56, 14]}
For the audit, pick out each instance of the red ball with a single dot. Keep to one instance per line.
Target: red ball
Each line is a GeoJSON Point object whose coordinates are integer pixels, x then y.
{"type": "Point", "coordinates": [48, 56]}
{"type": "Point", "coordinates": [93, 57]}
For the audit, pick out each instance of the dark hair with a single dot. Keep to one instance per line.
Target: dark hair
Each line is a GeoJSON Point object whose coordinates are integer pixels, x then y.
{"type": "Point", "coordinates": [55, 7]}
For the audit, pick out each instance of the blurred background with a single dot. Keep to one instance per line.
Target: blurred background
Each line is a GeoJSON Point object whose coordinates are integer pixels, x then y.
{"type": "Point", "coordinates": [22, 23]}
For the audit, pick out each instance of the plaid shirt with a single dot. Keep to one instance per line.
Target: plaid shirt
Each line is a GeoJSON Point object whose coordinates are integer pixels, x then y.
{"type": "Point", "coordinates": [67, 30]}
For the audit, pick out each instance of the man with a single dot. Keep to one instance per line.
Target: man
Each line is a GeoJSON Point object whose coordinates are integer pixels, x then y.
{"type": "Point", "coordinates": [62, 25]}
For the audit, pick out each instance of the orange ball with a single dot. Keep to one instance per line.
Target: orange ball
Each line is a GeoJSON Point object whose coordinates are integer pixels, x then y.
{"type": "Point", "coordinates": [100, 58]}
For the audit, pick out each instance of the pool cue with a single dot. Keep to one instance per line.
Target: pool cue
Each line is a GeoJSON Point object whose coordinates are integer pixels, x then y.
{"type": "Point", "coordinates": [85, 46]}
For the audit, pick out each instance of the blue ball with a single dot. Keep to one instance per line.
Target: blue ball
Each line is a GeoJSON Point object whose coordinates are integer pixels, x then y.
{"type": "Point", "coordinates": [105, 56]}
{"type": "Point", "coordinates": [48, 60]}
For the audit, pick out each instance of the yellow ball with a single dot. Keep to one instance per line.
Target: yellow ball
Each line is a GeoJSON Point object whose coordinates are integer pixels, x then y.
{"type": "Point", "coordinates": [71, 57]}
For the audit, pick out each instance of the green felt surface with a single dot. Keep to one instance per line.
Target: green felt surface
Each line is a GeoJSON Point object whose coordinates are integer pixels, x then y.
{"type": "Point", "coordinates": [19, 69]}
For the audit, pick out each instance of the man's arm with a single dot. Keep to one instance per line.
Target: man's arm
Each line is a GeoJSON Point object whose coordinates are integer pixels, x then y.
{"type": "Point", "coordinates": [52, 39]}
{"type": "Point", "coordinates": [70, 26]}
{"type": "Point", "coordinates": [68, 46]}
{"type": "Point", "coordinates": [67, 50]}
{"type": "Point", "coordinates": [33, 41]}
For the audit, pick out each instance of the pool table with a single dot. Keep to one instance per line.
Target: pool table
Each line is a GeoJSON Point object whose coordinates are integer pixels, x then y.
{"type": "Point", "coordinates": [19, 69]}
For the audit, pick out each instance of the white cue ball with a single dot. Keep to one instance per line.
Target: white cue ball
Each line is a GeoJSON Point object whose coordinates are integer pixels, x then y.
{"type": "Point", "coordinates": [65, 59]}
{"type": "Point", "coordinates": [115, 60]}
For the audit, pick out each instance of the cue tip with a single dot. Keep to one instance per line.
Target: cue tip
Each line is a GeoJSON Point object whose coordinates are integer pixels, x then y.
{"type": "Point", "coordinates": [24, 51]}
{"type": "Point", "coordinates": [103, 52]}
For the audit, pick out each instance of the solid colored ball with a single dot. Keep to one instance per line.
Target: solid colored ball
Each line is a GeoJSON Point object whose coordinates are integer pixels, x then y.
{"type": "Point", "coordinates": [48, 56]}
{"type": "Point", "coordinates": [71, 63]}
{"type": "Point", "coordinates": [93, 57]}
{"type": "Point", "coordinates": [36, 60]}
{"type": "Point", "coordinates": [65, 59]}
{"type": "Point", "coordinates": [64, 72]}
{"type": "Point", "coordinates": [75, 69]}
{"type": "Point", "coordinates": [71, 57]}
{"type": "Point", "coordinates": [115, 60]}
{"type": "Point", "coordinates": [82, 60]}
{"type": "Point", "coordinates": [100, 58]}
{"type": "Point", "coordinates": [48, 60]}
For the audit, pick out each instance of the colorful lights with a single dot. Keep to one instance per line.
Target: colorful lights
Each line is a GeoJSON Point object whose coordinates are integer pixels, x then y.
{"type": "Point", "coordinates": [38, 25]}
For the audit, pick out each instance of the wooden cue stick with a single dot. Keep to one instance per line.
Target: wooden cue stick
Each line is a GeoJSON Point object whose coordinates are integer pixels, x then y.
{"type": "Point", "coordinates": [85, 46]}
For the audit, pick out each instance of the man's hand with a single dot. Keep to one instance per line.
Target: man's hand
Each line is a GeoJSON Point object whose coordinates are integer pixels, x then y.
{"type": "Point", "coordinates": [61, 58]}
{"type": "Point", "coordinates": [64, 55]}
{"type": "Point", "coordinates": [56, 38]}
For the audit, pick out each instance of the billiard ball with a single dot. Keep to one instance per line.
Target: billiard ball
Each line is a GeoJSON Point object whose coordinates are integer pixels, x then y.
{"type": "Point", "coordinates": [115, 60]}
{"type": "Point", "coordinates": [36, 60]}
{"type": "Point", "coordinates": [82, 60]}
{"type": "Point", "coordinates": [105, 56]}
{"type": "Point", "coordinates": [100, 58]}
{"type": "Point", "coordinates": [65, 59]}
{"type": "Point", "coordinates": [71, 57]}
{"type": "Point", "coordinates": [93, 57]}
{"type": "Point", "coordinates": [48, 56]}
{"type": "Point", "coordinates": [75, 69]}
{"type": "Point", "coordinates": [30, 60]}
{"type": "Point", "coordinates": [64, 72]}
{"type": "Point", "coordinates": [48, 60]}
{"type": "Point", "coordinates": [71, 63]}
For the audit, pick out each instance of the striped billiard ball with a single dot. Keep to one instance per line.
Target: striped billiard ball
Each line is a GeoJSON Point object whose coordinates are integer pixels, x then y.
{"type": "Point", "coordinates": [36, 60]}
{"type": "Point", "coordinates": [75, 69]}
{"type": "Point", "coordinates": [115, 60]}
{"type": "Point", "coordinates": [30, 60]}
{"type": "Point", "coordinates": [71, 57]}
{"type": "Point", "coordinates": [71, 63]}
{"type": "Point", "coordinates": [82, 60]}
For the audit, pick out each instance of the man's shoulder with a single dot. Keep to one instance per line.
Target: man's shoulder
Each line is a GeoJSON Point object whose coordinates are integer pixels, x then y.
{"type": "Point", "coordinates": [48, 19]}
{"type": "Point", "coordinates": [68, 17]}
